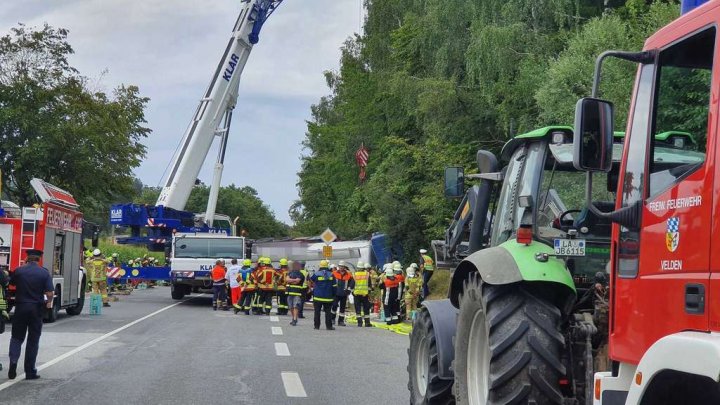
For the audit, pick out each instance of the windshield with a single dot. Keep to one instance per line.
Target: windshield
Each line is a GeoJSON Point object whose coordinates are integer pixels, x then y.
{"type": "Point", "coordinates": [213, 248]}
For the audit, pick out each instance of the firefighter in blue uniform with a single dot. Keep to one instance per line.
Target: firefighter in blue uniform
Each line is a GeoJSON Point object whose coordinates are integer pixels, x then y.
{"type": "Point", "coordinates": [33, 285]}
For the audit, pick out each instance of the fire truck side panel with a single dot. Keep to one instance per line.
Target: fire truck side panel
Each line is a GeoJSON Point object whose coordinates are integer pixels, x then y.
{"type": "Point", "coordinates": [662, 282]}
{"type": "Point", "coordinates": [61, 239]}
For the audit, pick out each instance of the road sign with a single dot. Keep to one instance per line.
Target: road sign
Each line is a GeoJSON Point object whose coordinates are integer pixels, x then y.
{"type": "Point", "coordinates": [327, 251]}
{"type": "Point", "coordinates": [328, 236]}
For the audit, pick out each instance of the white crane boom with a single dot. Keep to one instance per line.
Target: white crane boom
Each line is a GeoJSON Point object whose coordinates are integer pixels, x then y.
{"type": "Point", "coordinates": [215, 108]}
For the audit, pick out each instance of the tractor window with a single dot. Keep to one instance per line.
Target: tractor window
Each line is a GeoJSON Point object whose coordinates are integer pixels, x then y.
{"type": "Point", "coordinates": [504, 222]}
{"type": "Point", "coordinates": [681, 112]}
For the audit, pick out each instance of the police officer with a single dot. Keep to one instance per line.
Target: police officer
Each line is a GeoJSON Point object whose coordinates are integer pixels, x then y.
{"type": "Point", "coordinates": [33, 293]}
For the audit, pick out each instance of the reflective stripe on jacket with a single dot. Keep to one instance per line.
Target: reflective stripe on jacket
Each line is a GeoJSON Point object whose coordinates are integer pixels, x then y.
{"type": "Point", "coordinates": [323, 286]}
{"type": "Point", "coordinates": [362, 283]}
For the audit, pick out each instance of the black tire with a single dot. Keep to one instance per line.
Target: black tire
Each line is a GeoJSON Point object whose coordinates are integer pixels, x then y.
{"type": "Point", "coordinates": [436, 391]}
{"type": "Point", "coordinates": [523, 346]}
{"type": "Point", "coordinates": [177, 291]}
{"type": "Point", "coordinates": [51, 315]}
{"type": "Point", "coordinates": [77, 308]}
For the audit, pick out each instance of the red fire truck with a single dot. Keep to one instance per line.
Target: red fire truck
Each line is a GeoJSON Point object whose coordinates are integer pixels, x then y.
{"type": "Point", "coordinates": [665, 319]}
{"type": "Point", "coordinates": [56, 227]}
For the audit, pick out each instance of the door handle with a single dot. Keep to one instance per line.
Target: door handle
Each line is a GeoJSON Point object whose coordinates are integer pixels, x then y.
{"type": "Point", "coordinates": [695, 299]}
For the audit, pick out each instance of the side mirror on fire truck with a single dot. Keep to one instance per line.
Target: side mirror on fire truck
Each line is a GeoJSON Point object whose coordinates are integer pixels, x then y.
{"type": "Point", "coordinates": [593, 141]}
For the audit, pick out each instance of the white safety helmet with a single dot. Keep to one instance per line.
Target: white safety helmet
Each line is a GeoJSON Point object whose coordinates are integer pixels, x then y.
{"type": "Point", "coordinates": [423, 251]}
{"type": "Point", "coordinates": [389, 272]}
{"type": "Point", "coordinates": [396, 263]}
{"type": "Point", "coordinates": [360, 265]}
{"type": "Point", "coordinates": [397, 266]}
{"type": "Point", "coordinates": [97, 252]}
{"type": "Point", "coordinates": [410, 271]}
{"type": "Point", "coordinates": [387, 266]}
{"type": "Point", "coordinates": [414, 265]}
{"type": "Point", "coordinates": [342, 263]}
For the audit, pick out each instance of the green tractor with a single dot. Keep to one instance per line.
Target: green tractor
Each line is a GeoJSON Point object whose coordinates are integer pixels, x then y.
{"type": "Point", "coordinates": [526, 316]}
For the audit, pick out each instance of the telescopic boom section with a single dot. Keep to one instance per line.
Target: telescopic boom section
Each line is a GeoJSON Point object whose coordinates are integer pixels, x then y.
{"type": "Point", "coordinates": [215, 109]}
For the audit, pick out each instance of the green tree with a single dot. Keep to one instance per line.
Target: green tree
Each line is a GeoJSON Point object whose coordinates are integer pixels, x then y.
{"type": "Point", "coordinates": [55, 128]}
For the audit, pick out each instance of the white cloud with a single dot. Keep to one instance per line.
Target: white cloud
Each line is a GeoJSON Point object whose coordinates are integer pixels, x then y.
{"type": "Point", "coordinates": [171, 48]}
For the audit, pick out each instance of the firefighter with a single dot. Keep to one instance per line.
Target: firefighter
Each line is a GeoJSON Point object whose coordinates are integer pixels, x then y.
{"type": "Point", "coordinates": [376, 292]}
{"type": "Point", "coordinates": [281, 291]}
{"type": "Point", "coordinates": [304, 289]}
{"type": "Point", "coordinates": [233, 278]}
{"type": "Point", "coordinates": [427, 267]}
{"type": "Point", "coordinates": [361, 294]}
{"type": "Point", "coordinates": [219, 289]}
{"type": "Point", "coordinates": [400, 277]}
{"type": "Point", "coordinates": [295, 285]}
{"type": "Point", "coordinates": [323, 284]}
{"type": "Point", "coordinates": [391, 300]}
{"type": "Point", "coordinates": [413, 287]}
{"type": "Point", "coordinates": [97, 265]}
{"type": "Point", "coordinates": [247, 284]}
{"type": "Point", "coordinates": [34, 292]}
{"type": "Point", "coordinates": [257, 305]}
{"type": "Point", "coordinates": [344, 287]}
{"type": "Point", "coordinates": [266, 284]}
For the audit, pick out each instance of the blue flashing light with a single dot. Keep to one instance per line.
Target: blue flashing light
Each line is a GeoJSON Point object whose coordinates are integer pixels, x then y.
{"type": "Point", "coordinates": [687, 6]}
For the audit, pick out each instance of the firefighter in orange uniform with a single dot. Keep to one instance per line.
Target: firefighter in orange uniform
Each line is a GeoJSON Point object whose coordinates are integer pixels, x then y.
{"type": "Point", "coordinates": [345, 284]}
{"type": "Point", "coordinates": [266, 277]}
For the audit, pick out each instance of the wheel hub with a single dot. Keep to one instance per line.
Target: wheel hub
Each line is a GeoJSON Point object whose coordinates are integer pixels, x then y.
{"type": "Point", "coordinates": [478, 361]}
{"type": "Point", "coordinates": [422, 364]}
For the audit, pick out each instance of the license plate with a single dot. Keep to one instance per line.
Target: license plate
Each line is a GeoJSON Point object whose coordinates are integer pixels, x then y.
{"type": "Point", "coordinates": [570, 247]}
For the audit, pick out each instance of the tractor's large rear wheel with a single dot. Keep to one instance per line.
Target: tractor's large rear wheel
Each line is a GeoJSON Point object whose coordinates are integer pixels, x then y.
{"type": "Point", "coordinates": [425, 385]}
{"type": "Point", "coordinates": [507, 347]}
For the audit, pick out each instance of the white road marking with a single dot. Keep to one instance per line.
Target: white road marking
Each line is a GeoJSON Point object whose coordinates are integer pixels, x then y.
{"type": "Point", "coordinates": [276, 330]}
{"type": "Point", "coordinates": [274, 319]}
{"type": "Point", "coordinates": [281, 349]}
{"type": "Point", "coordinates": [293, 385]}
{"type": "Point", "coordinates": [21, 377]}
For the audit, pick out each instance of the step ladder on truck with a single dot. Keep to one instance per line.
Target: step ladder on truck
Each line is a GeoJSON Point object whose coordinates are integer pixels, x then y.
{"type": "Point", "coordinates": [55, 226]}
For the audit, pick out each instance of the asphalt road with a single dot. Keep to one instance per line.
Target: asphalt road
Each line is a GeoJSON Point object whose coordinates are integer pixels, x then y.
{"type": "Point", "coordinates": [150, 349]}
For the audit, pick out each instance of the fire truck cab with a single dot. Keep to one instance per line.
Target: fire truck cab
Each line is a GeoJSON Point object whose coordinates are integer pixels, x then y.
{"type": "Point", "coordinates": [664, 332]}
{"type": "Point", "coordinates": [54, 226]}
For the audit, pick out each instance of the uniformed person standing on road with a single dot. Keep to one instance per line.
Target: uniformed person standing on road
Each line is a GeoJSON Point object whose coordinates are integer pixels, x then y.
{"type": "Point", "coordinates": [33, 294]}
{"type": "Point", "coordinates": [323, 284]}
{"type": "Point", "coordinates": [98, 275]}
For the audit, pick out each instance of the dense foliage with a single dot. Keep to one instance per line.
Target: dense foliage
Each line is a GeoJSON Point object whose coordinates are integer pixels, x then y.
{"type": "Point", "coordinates": [431, 81]}
{"type": "Point", "coordinates": [54, 126]}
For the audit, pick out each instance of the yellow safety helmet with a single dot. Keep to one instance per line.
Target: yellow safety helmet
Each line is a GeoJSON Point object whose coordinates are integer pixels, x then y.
{"type": "Point", "coordinates": [247, 262]}
{"type": "Point", "coordinates": [283, 262]}
{"type": "Point", "coordinates": [267, 261]}
{"type": "Point", "coordinates": [324, 264]}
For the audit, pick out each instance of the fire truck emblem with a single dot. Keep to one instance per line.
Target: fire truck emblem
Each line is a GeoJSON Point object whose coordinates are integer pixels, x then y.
{"type": "Point", "coordinates": [672, 237]}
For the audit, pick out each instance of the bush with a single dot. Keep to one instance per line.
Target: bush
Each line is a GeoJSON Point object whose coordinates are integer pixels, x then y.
{"type": "Point", "coordinates": [127, 252]}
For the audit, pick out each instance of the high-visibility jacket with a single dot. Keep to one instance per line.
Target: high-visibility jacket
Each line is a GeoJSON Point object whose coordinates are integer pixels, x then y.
{"type": "Point", "coordinates": [265, 278]}
{"type": "Point", "coordinates": [323, 286]}
{"type": "Point", "coordinates": [344, 283]}
{"type": "Point", "coordinates": [363, 283]}
{"type": "Point", "coordinates": [218, 274]}
{"type": "Point", "coordinates": [428, 263]}
{"type": "Point", "coordinates": [98, 268]}
{"type": "Point", "coordinates": [281, 278]}
{"type": "Point", "coordinates": [246, 278]}
{"type": "Point", "coordinates": [296, 289]}
{"type": "Point", "coordinates": [305, 279]}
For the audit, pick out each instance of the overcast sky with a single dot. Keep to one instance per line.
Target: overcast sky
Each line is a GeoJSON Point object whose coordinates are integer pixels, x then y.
{"type": "Point", "coordinates": [170, 49]}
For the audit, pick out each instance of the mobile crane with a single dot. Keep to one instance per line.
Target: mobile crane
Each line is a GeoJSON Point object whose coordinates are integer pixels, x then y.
{"type": "Point", "coordinates": [212, 119]}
